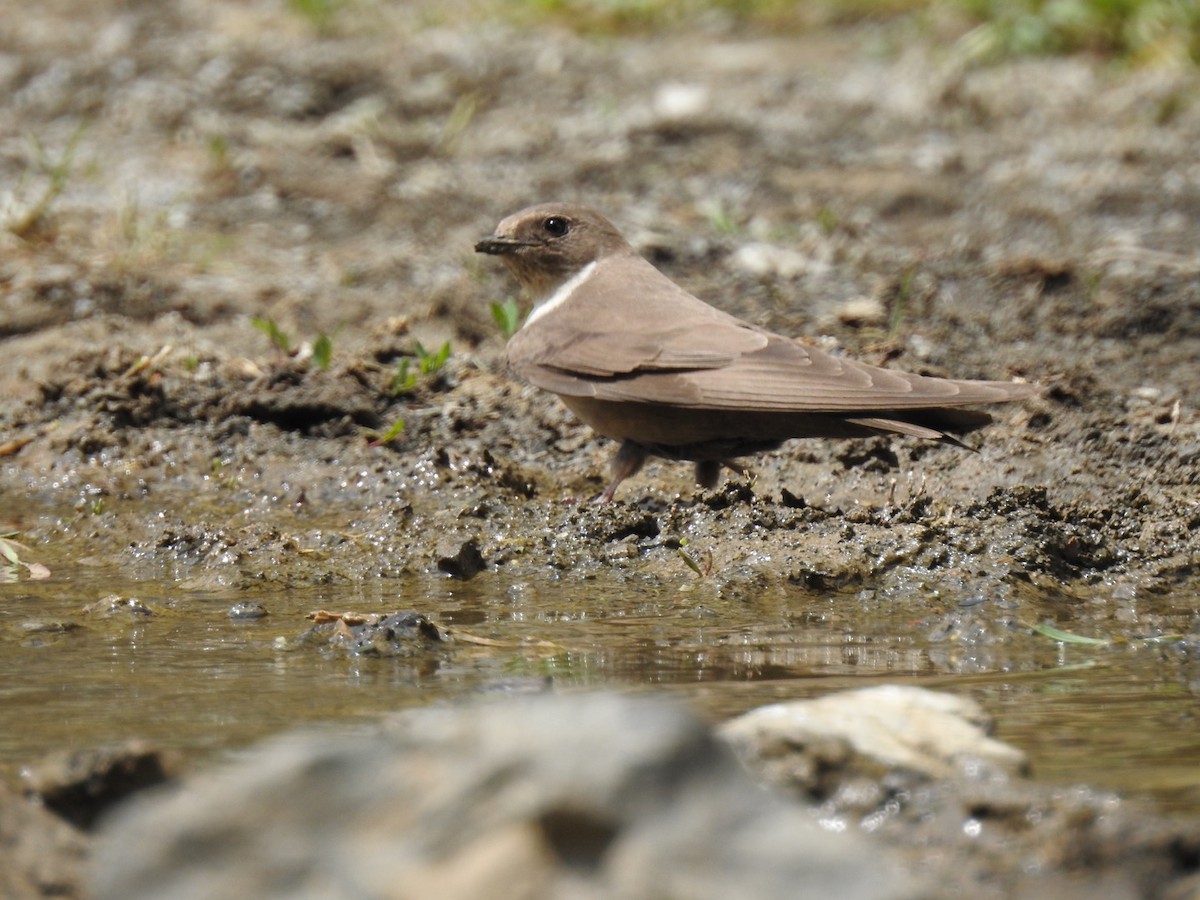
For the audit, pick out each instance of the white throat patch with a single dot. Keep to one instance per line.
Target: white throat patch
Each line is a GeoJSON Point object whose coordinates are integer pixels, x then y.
{"type": "Point", "coordinates": [559, 297]}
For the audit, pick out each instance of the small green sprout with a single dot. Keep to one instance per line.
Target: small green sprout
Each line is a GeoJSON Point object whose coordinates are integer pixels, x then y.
{"type": "Point", "coordinates": [394, 431]}
{"type": "Point", "coordinates": [507, 316]}
{"type": "Point", "coordinates": [271, 329]}
{"type": "Point", "coordinates": [431, 362]}
{"type": "Point", "coordinates": [318, 13]}
{"type": "Point", "coordinates": [322, 351]}
{"type": "Point", "coordinates": [720, 219]}
{"type": "Point", "coordinates": [460, 117]}
{"type": "Point", "coordinates": [1067, 637]}
{"type": "Point", "coordinates": [57, 173]}
{"type": "Point", "coordinates": [702, 570]}
{"type": "Point", "coordinates": [827, 220]}
{"type": "Point", "coordinates": [904, 296]}
{"type": "Point", "coordinates": [405, 379]}
{"type": "Point", "coordinates": [218, 151]}
{"type": "Point", "coordinates": [231, 480]}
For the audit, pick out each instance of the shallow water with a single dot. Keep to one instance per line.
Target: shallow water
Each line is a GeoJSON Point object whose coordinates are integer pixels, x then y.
{"type": "Point", "coordinates": [189, 677]}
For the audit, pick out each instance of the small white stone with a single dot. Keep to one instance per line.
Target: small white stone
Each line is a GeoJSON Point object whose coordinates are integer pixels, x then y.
{"type": "Point", "coordinates": [920, 346]}
{"type": "Point", "coordinates": [862, 311]}
{"type": "Point", "coordinates": [676, 100]}
{"type": "Point", "coordinates": [767, 259]}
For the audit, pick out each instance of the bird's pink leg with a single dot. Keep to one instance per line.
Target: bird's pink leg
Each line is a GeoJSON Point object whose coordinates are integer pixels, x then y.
{"type": "Point", "coordinates": [628, 461]}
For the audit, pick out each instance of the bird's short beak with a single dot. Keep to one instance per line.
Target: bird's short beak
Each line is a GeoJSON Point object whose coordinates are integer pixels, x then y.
{"type": "Point", "coordinates": [498, 245]}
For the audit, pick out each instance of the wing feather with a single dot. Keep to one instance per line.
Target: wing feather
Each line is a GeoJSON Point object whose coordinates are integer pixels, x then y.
{"type": "Point", "coordinates": [676, 350]}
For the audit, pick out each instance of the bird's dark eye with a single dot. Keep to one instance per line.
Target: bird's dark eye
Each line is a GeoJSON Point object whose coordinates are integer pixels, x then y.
{"type": "Point", "coordinates": [556, 226]}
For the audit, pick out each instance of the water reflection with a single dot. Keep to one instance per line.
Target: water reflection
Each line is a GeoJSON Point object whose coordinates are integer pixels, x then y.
{"type": "Point", "coordinates": [191, 677]}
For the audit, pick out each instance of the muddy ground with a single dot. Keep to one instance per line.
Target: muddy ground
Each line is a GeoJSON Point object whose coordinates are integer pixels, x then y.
{"type": "Point", "coordinates": [171, 170]}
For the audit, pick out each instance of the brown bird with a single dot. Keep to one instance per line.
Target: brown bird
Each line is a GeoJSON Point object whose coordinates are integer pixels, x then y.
{"type": "Point", "coordinates": [645, 363]}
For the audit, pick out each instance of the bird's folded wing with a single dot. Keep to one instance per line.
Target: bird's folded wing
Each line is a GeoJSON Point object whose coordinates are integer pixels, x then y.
{"type": "Point", "coordinates": [782, 375]}
{"type": "Point", "coordinates": [631, 334]}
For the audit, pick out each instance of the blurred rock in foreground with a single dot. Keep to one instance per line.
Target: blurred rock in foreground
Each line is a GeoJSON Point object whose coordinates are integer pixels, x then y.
{"type": "Point", "coordinates": [572, 796]}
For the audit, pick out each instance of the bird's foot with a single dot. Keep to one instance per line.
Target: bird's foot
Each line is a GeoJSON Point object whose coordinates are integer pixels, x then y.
{"type": "Point", "coordinates": [628, 461]}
